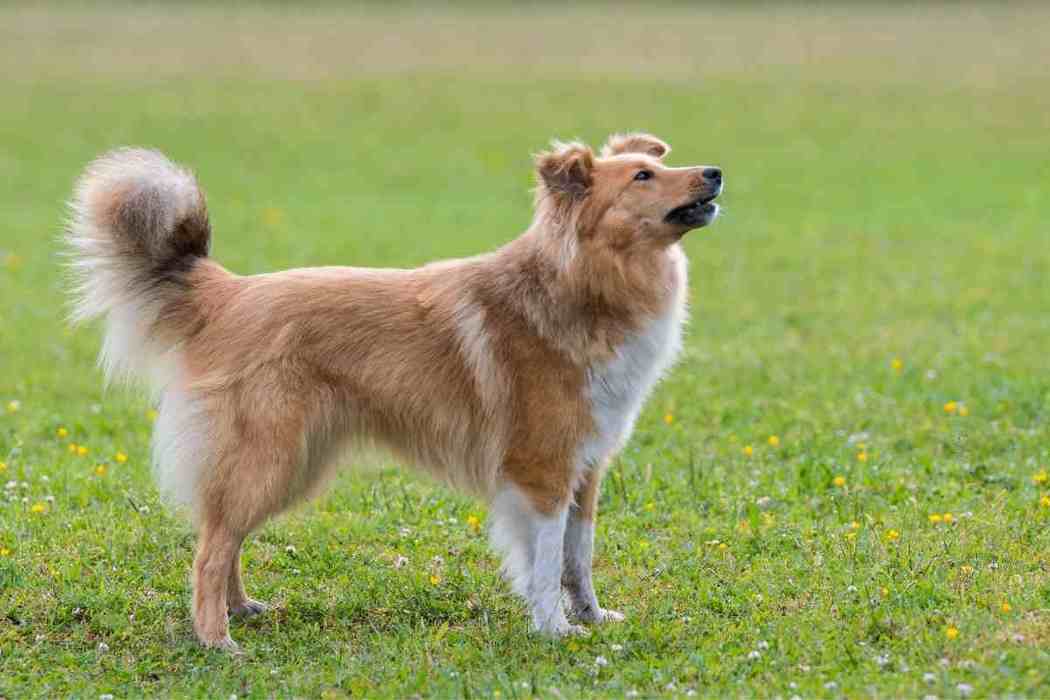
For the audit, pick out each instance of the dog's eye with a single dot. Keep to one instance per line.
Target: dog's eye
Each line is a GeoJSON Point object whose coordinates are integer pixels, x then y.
{"type": "Point", "coordinates": [643, 175]}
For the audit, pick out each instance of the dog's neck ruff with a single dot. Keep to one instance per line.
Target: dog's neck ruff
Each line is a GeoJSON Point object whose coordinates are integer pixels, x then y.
{"type": "Point", "coordinates": [618, 388]}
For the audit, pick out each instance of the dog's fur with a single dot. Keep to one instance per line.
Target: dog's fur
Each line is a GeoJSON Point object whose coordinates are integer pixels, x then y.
{"type": "Point", "coordinates": [516, 374]}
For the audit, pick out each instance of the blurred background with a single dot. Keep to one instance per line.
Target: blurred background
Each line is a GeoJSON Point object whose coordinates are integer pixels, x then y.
{"type": "Point", "coordinates": [879, 273]}
{"type": "Point", "coordinates": [886, 163]}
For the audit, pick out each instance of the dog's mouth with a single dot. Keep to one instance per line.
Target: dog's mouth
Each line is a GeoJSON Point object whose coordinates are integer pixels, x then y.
{"type": "Point", "coordinates": [699, 212]}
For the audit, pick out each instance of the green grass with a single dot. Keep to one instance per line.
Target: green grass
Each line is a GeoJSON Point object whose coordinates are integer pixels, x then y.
{"type": "Point", "coordinates": [868, 218]}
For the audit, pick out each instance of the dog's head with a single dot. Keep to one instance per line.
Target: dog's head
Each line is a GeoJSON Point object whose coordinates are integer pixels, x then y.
{"type": "Point", "coordinates": [625, 197]}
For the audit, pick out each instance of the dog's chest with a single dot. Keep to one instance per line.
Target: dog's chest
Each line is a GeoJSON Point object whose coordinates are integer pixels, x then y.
{"type": "Point", "coordinates": [617, 389]}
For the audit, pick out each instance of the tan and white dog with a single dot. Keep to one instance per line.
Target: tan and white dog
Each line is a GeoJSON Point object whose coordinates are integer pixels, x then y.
{"type": "Point", "coordinates": [516, 374]}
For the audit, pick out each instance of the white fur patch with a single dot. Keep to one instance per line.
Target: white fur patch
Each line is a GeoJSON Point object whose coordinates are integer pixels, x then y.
{"type": "Point", "coordinates": [511, 535]}
{"type": "Point", "coordinates": [548, 613]}
{"type": "Point", "coordinates": [180, 445]}
{"type": "Point", "coordinates": [579, 553]}
{"type": "Point", "coordinates": [491, 385]}
{"type": "Point", "coordinates": [532, 546]}
{"type": "Point", "coordinates": [618, 388]}
{"type": "Point", "coordinates": [474, 342]}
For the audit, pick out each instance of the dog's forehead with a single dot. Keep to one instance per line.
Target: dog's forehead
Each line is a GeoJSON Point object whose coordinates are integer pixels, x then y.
{"type": "Point", "coordinates": [629, 161]}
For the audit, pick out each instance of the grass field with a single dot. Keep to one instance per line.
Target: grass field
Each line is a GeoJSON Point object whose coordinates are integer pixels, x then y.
{"type": "Point", "coordinates": [841, 490]}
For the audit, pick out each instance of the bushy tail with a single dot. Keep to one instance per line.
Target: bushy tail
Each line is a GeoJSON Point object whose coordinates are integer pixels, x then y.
{"type": "Point", "coordinates": [138, 226]}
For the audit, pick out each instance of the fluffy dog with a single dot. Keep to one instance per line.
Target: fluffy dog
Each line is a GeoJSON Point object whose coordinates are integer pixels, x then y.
{"type": "Point", "coordinates": [516, 374]}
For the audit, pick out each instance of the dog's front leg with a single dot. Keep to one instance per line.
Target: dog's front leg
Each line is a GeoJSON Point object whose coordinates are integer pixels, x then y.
{"type": "Point", "coordinates": [579, 554]}
{"type": "Point", "coordinates": [548, 613]}
{"type": "Point", "coordinates": [533, 547]}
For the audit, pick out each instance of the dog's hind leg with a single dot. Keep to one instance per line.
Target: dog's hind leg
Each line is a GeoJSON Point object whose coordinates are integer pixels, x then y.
{"type": "Point", "coordinates": [217, 553]}
{"type": "Point", "coordinates": [263, 469]}
{"type": "Point", "coordinates": [237, 601]}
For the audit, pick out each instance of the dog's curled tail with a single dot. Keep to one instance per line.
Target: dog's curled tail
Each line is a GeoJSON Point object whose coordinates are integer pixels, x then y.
{"type": "Point", "coordinates": [138, 226]}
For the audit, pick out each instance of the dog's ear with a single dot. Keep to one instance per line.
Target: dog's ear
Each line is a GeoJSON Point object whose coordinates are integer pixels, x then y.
{"type": "Point", "coordinates": [635, 143]}
{"type": "Point", "coordinates": [566, 169]}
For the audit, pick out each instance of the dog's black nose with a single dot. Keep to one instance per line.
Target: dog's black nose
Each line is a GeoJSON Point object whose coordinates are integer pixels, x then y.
{"type": "Point", "coordinates": [713, 174]}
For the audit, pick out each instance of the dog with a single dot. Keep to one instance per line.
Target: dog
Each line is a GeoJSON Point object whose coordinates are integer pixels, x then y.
{"type": "Point", "coordinates": [516, 375]}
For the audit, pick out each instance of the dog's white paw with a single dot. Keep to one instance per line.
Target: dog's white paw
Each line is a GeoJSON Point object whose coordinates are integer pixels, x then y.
{"type": "Point", "coordinates": [556, 629]}
{"type": "Point", "coordinates": [597, 616]}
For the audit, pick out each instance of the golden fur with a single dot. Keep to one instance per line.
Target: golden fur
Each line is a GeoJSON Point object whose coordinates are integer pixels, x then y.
{"type": "Point", "coordinates": [479, 370]}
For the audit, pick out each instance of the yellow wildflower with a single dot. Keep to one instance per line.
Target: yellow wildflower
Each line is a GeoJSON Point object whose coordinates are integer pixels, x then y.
{"type": "Point", "coordinates": [39, 507]}
{"type": "Point", "coordinates": [951, 632]}
{"type": "Point", "coordinates": [435, 579]}
{"type": "Point", "coordinates": [62, 433]}
{"type": "Point", "coordinates": [723, 546]}
{"type": "Point", "coordinates": [72, 448]}
{"type": "Point", "coordinates": [966, 569]}
{"type": "Point", "coordinates": [892, 535]}
{"type": "Point", "coordinates": [82, 450]}
{"type": "Point", "coordinates": [668, 418]}
{"type": "Point", "coordinates": [1045, 501]}
{"type": "Point", "coordinates": [854, 525]}
{"type": "Point", "coordinates": [862, 456]}
{"type": "Point", "coordinates": [474, 522]}
{"type": "Point", "coordinates": [3, 467]}
{"type": "Point", "coordinates": [5, 552]}
{"type": "Point", "coordinates": [839, 481]}
{"type": "Point", "coordinates": [950, 407]}
{"type": "Point", "coordinates": [948, 518]}
{"type": "Point", "coordinates": [272, 216]}
{"type": "Point", "coordinates": [935, 518]}
{"type": "Point", "coordinates": [774, 441]}
{"type": "Point", "coordinates": [100, 470]}
{"type": "Point", "coordinates": [13, 406]}
{"type": "Point", "coordinates": [963, 411]}
{"type": "Point", "coordinates": [1005, 607]}
{"type": "Point", "coordinates": [748, 450]}
{"type": "Point", "coordinates": [1040, 478]}
{"type": "Point", "coordinates": [120, 457]}
{"type": "Point", "coordinates": [897, 365]}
